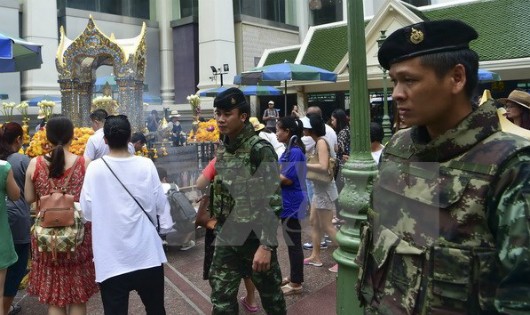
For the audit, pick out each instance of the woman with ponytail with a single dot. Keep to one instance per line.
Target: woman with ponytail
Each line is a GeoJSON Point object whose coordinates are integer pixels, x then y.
{"type": "Point", "coordinates": [17, 211]}
{"type": "Point", "coordinates": [294, 195]}
{"type": "Point", "coordinates": [68, 282]}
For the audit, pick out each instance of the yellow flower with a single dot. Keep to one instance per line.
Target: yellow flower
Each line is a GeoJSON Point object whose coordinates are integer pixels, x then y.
{"type": "Point", "coordinates": [206, 132]}
{"type": "Point", "coordinates": [40, 145]}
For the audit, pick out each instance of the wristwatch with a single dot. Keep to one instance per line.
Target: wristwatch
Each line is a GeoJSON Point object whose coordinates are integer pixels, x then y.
{"type": "Point", "coordinates": [267, 248]}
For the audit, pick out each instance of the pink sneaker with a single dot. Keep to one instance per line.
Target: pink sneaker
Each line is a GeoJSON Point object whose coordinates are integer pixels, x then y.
{"type": "Point", "coordinates": [335, 268]}
{"type": "Point", "coordinates": [248, 307]}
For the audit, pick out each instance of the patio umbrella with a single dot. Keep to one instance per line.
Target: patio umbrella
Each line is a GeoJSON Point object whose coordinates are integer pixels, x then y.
{"type": "Point", "coordinates": [485, 75]}
{"type": "Point", "coordinates": [287, 71]}
{"type": "Point", "coordinates": [34, 101]}
{"type": "Point", "coordinates": [18, 55]}
{"type": "Point", "coordinates": [151, 99]}
{"type": "Point", "coordinates": [212, 92]}
{"type": "Point", "coordinates": [259, 90]}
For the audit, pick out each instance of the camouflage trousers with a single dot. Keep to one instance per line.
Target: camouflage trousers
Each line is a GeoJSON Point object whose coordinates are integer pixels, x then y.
{"type": "Point", "coordinates": [231, 264]}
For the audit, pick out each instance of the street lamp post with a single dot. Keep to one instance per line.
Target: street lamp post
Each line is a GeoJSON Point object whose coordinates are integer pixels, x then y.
{"type": "Point", "coordinates": [386, 118]}
{"type": "Point", "coordinates": [359, 171]}
{"type": "Point", "coordinates": [218, 72]}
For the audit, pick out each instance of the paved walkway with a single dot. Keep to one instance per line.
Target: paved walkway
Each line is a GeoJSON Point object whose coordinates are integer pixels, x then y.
{"type": "Point", "coordinates": [186, 292]}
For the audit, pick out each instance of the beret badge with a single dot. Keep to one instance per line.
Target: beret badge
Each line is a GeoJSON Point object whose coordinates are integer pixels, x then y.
{"type": "Point", "coordinates": [416, 36]}
{"type": "Point", "coordinates": [233, 101]}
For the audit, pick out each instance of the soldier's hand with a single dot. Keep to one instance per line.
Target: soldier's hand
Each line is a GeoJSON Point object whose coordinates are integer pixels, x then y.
{"type": "Point", "coordinates": [262, 260]}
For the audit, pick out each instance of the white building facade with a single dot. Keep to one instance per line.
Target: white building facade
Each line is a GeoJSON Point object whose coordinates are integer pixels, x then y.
{"type": "Point", "coordinates": [185, 38]}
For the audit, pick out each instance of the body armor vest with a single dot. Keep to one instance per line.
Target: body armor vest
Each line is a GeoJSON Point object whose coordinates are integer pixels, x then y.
{"type": "Point", "coordinates": [432, 250]}
{"type": "Point", "coordinates": [232, 188]}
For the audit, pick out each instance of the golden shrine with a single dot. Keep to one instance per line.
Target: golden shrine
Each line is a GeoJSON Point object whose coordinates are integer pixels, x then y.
{"type": "Point", "coordinates": [77, 61]}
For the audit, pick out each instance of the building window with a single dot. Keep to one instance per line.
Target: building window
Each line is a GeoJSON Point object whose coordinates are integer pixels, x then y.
{"type": "Point", "coordinates": [325, 11]}
{"type": "Point", "coordinates": [189, 8]}
{"type": "Point", "coordinates": [132, 8]}
{"type": "Point", "coordinates": [272, 10]}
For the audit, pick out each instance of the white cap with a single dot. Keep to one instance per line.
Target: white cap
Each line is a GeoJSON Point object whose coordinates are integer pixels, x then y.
{"type": "Point", "coordinates": [306, 123]}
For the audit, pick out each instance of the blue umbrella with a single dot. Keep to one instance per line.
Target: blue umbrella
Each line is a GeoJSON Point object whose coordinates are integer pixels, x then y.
{"type": "Point", "coordinates": [259, 90]}
{"type": "Point", "coordinates": [212, 92]}
{"type": "Point", "coordinates": [151, 99]}
{"type": "Point", "coordinates": [287, 71]}
{"type": "Point", "coordinates": [34, 101]}
{"type": "Point", "coordinates": [485, 75]}
{"type": "Point", "coordinates": [18, 55]}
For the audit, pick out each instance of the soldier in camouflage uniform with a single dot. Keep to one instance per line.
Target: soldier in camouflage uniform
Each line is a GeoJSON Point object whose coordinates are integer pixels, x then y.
{"type": "Point", "coordinates": [449, 230]}
{"type": "Point", "coordinates": [246, 201]}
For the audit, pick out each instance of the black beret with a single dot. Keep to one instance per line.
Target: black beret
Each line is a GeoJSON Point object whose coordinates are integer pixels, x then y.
{"type": "Point", "coordinates": [425, 38]}
{"type": "Point", "coordinates": [229, 99]}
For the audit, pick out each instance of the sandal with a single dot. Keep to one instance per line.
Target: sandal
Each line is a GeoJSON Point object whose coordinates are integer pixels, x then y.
{"type": "Point", "coordinates": [285, 281]}
{"type": "Point", "coordinates": [248, 307]}
{"type": "Point", "coordinates": [290, 290]}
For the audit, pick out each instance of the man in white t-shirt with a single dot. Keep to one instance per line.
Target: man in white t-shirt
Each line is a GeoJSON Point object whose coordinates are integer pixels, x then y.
{"type": "Point", "coordinates": [186, 239]}
{"type": "Point", "coordinates": [96, 146]}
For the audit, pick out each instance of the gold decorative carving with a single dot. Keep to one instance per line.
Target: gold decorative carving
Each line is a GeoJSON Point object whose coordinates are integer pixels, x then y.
{"type": "Point", "coordinates": [77, 60]}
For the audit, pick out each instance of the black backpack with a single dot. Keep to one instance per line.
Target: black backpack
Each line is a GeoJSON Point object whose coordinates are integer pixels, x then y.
{"type": "Point", "coordinates": [182, 211]}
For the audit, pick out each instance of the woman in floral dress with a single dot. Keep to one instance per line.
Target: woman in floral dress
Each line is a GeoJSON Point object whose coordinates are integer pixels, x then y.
{"type": "Point", "coordinates": [68, 282]}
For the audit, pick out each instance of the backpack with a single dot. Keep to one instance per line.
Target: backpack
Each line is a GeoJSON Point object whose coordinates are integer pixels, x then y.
{"type": "Point", "coordinates": [181, 209]}
{"type": "Point", "coordinates": [183, 214]}
{"type": "Point", "coordinates": [58, 226]}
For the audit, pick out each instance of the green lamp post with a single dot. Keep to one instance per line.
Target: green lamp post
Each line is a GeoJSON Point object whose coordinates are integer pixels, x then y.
{"type": "Point", "coordinates": [359, 171]}
{"type": "Point", "coordinates": [386, 119]}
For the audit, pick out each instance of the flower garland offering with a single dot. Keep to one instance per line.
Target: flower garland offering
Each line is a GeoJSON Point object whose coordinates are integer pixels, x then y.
{"type": "Point", "coordinates": [45, 109]}
{"type": "Point", "coordinates": [107, 103]}
{"type": "Point", "coordinates": [207, 131]}
{"type": "Point", "coordinates": [39, 144]}
{"type": "Point", "coordinates": [195, 102]}
{"type": "Point", "coordinates": [23, 109]}
{"type": "Point", "coordinates": [7, 110]}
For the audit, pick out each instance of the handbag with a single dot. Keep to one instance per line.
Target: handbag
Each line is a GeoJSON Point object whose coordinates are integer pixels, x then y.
{"type": "Point", "coordinates": [318, 176]}
{"type": "Point", "coordinates": [157, 225]}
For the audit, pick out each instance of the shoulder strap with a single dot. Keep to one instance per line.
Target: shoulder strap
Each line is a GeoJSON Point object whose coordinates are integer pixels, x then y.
{"type": "Point", "coordinates": [315, 151]}
{"type": "Point", "coordinates": [67, 179]}
{"type": "Point", "coordinates": [127, 190]}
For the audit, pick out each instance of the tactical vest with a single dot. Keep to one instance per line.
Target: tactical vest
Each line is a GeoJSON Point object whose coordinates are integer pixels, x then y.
{"type": "Point", "coordinates": [235, 183]}
{"type": "Point", "coordinates": [429, 249]}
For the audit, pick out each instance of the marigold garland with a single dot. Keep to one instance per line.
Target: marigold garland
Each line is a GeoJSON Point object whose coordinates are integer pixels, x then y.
{"type": "Point", "coordinates": [39, 144]}
{"type": "Point", "coordinates": [207, 131]}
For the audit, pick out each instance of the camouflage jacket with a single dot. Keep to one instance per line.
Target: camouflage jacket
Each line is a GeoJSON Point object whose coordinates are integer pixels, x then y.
{"type": "Point", "coordinates": [450, 228]}
{"type": "Point", "coordinates": [246, 190]}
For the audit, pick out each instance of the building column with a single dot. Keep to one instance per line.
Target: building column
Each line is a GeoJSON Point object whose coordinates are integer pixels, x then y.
{"type": "Point", "coordinates": [216, 42]}
{"type": "Point", "coordinates": [167, 83]}
{"type": "Point", "coordinates": [39, 25]}
{"type": "Point", "coordinates": [303, 19]}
